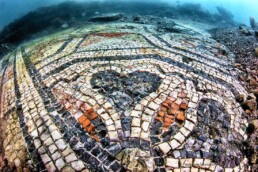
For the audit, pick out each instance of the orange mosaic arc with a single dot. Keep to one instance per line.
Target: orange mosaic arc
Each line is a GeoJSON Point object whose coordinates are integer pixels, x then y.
{"type": "Point", "coordinates": [80, 110]}
{"type": "Point", "coordinates": [92, 37]}
{"type": "Point", "coordinates": [170, 112]}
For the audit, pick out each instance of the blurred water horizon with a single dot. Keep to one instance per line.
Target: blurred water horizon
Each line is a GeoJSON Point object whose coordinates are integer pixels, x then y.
{"type": "Point", "coordinates": [242, 10]}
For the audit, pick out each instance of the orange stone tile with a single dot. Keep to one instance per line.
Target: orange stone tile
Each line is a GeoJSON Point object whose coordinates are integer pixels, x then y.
{"type": "Point", "coordinates": [175, 106]}
{"type": "Point", "coordinates": [167, 125]}
{"type": "Point", "coordinates": [172, 111]}
{"type": "Point", "coordinates": [168, 120]}
{"type": "Point", "coordinates": [163, 108]}
{"type": "Point", "coordinates": [92, 116]}
{"type": "Point", "coordinates": [180, 116]}
{"type": "Point", "coordinates": [159, 118]}
{"type": "Point", "coordinates": [183, 106]}
{"type": "Point", "coordinates": [86, 123]}
{"type": "Point", "coordinates": [89, 111]}
{"type": "Point", "coordinates": [89, 128]}
{"type": "Point", "coordinates": [169, 116]}
{"type": "Point", "coordinates": [96, 138]}
{"type": "Point", "coordinates": [165, 104]}
{"type": "Point", "coordinates": [85, 107]}
{"type": "Point", "coordinates": [82, 119]}
{"type": "Point", "coordinates": [168, 101]}
{"type": "Point", "coordinates": [161, 113]}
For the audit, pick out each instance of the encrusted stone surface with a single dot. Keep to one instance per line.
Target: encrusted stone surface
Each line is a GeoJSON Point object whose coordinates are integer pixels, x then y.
{"type": "Point", "coordinates": [109, 98]}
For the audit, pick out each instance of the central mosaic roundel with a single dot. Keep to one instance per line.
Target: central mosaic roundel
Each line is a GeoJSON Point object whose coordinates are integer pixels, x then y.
{"type": "Point", "coordinates": [116, 99]}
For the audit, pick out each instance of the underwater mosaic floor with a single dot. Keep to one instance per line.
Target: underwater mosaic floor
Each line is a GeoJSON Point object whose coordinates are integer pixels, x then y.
{"type": "Point", "coordinates": [119, 97]}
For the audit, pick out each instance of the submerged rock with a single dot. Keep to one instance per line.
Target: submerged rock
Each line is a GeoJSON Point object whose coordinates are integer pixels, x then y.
{"type": "Point", "coordinates": [252, 126]}
{"type": "Point", "coordinates": [256, 51]}
{"type": "Point", "coordinates": [256, 34]}
{"type": "Point", "coordinates": [253, 23]}
{"type": "Point", "coordinates": [249, 105]}
{"type": "Point", "coordinates": [107, 17]}
{"type": "Point", "coordinates": [136, 18]}
{"type": "Point", "coordinates": [65, 25]}
{"type": "Point", "coordinates": [169, 26]}
{"type": "Point", "coordinates": [255, 92]}
{"type": "Point", "coordinates": [240, 98]}
{"type": "Point", "coordinates": [244, 30]}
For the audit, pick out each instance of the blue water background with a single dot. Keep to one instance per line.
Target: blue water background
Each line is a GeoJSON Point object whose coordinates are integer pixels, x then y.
{"type": "Point", "coordinates": [241, 9]}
